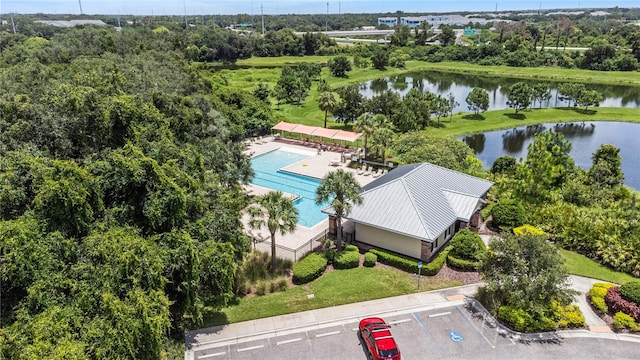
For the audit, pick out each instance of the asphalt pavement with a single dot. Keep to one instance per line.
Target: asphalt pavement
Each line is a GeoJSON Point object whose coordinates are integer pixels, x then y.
{"type": "Point", "coordinates": [248, 332]}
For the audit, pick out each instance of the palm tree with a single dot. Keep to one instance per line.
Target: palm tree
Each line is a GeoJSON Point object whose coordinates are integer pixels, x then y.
{"type": "Point", "coordinates": [345, 191]}
{"type": "Point", "coordinates": [277, 212]}
{"type": "Point", "coordinates": [367, 124]}
{"type": "Point", "coordinates": [381, 140]}
{"type": "Point", "coordinates": [327, 103]}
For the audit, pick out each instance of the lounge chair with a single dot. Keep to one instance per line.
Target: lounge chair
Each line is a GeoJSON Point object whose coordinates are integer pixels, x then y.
{"type": "Point", "coordinates": [377, 173]}
{"type": "Point", "coordinates": [361, 170]}
{"type": "Point", "coordinates": [334, 162]}
{"type": "Point", "coordinates": [368, 172]}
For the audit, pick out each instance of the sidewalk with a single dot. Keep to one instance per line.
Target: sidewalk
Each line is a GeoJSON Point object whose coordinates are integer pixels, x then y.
{"type": "Point", "coordinates": [338, 315]}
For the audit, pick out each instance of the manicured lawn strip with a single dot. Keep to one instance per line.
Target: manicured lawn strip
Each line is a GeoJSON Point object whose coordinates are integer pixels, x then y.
{"type": "Point", "coordinates": [335, 288]}
{"type": "Point", "coordinates": [464, 123]}
{"type": "Point", "coordinates": [583, 266]}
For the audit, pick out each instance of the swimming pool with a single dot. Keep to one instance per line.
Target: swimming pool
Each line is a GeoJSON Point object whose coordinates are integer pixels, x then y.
{"type": "Point", "coordinates": [267, 172]}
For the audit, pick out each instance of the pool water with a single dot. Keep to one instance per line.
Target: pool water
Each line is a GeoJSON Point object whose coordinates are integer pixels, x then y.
{"type": "Point", "coordinates": [267, 174]}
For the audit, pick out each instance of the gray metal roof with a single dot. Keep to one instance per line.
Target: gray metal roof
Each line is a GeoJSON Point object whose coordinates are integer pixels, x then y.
{"type": "Point", "coordinates": [419, 200]}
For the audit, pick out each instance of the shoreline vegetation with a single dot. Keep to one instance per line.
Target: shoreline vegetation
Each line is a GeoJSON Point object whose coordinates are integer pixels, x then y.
{"type": "Point", "coordinates": [266, 70]}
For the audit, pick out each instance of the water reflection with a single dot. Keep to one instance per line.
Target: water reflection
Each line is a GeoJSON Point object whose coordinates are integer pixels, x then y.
{"type": "Point", "coordinates": [585, 138]}
{"type": "Point", "coordinates": [460, 85]}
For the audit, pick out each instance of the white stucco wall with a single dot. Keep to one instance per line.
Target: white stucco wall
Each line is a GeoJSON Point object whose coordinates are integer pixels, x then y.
{"type": "Point", "coordinates": [400, 244]}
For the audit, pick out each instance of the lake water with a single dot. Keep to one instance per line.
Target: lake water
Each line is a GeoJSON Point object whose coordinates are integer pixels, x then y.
{"type": "Point", "coordinates": [585, 139]}
{"type": "Point", "coordinates": [460, 85]}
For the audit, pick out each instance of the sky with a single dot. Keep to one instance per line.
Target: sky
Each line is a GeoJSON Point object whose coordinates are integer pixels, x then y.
{"type": "Point", "coordinates": [231, 7]}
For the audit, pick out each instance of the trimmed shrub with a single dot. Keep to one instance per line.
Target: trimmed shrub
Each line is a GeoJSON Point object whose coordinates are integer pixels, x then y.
{"type": "Point", "coordinates": [309, 268]}
{"type": "Point", "coordinates": [631, 291]}
{"type": "Point", "coordinates": [622, 321]}
{"type": "Point", "coordinates": [504, 165]}
{"type": "Point", "coordinates": [409, 264]}
{"type": "Point", "coordinates": [370, 259]}
{"type": "Point", "coordinates": [351, 248]}
{"type": "Point", "coordinates": [597, 294]}
{"type": "Point", "coordinates": [347, 260]}
{"type": "Point", "coordinates": [467, 245]}
{"type": "Point", "coordinates": [508, 214]}
{"type": "Point", "coordinates": [397, 261]}
{"type": "Point", "coordinates": [436, 264]}
{"type": "Point", "coordinates": [461, 264]}
{"type": "Point", "coordinates": [528, 229]}
{"type": "Point", "coordinates": [617, 303]}
{"type": "Point", "coordinates": [279, 284]}
{"type": "Point", "coordinates": [262, 288]}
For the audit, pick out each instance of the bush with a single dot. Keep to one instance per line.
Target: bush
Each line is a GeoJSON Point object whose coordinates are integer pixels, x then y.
{"type": "Point", "coordinates": [467, 245]}
{"type": "Point", "coordinates": [351, 248]}
{"type": "Point", "coordinates": [309, 268]}
{"type": "Point", "coordinates": [527, 229]}
{"type": "Point", "coordinates": [520, 320]}
{"type": "Point", "coordinates": [280, 284]}
{"type": "Point", "coordinates": [631, 291]}
{"type": "Point", "coordinates": [504, 165]}
{"type": "Point", "coordinates": [370, 259]}
{"type": "Point", "coordinates": [409, 264]}
{"type": "Point", "coordinates": [617, 303]}
{"type": "Point", "coordinates": [569, 317]}
{"type": "Point", "coordinates": [597, 294]}
{"type": "Point", "coordinates": [347, 260]}
{"type": "Point", "coordinates": [262, 288]}
{"type": "Point", "coordinates": [330, 255]}
{"type": "Point", "coordinates": [622, 321]}
{"type": "Point", "coordinates": [508, 214]}
{"type": "Point", "coordinates": [436, 264]}
{"type": "Point", "coordinates": [461, 264]}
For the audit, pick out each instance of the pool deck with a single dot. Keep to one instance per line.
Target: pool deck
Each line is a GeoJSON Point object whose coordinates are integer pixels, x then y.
{"type": "Point", "coordinates": [317, 166]}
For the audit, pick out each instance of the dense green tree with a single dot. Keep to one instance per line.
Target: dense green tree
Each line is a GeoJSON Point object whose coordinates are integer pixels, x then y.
{"type": "Point", "coordinates": [540, 93]}
{"type": "Point", "coordinates": [342, 190]}
{"type": "Point", "coordinates": [382, 139]}
{"type": "Point", "coordinates": [589, 98]}
{"type": "Point", "coordinates": [606, 166]}
{"type": "Point", "coordinates": [351, 104]}
{"type": "Point", "coordinates": [570, 92]}
{"type": "Point", "coordinates": [524, 272]}
{"type": "Point", "coordinates": [547, 167]}
{"type": "Point", "coordinates": [339, 66]}
{"type": "Point", "coordinates": [508, 214]}
{"type": "Point", "coordinates": [600, 56]}
{"type": "Point", "coordinates": [519, 96]}
{"type": "Point", "coordinates": [478, 100]}
{"type": "Point", "coordinates": [261, 92]}
{"type": "Point", "coordinates": [415, 147]}
{"type": "Point", "coordinates": [380, 58]}
{"type": "Point", "coordinates": [447, 36]}
{"type": "Point", "coordinates": [277, 213]}
{"type": "Point", "coordinates": [401, 35]}
{"type": "Point", "coordinates": [504, 165]}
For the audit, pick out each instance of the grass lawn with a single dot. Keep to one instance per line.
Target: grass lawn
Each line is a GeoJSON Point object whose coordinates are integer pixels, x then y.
{"type": "Point", "coordinates": [583, 266]}
{"type": "Point", "coordinates": [334, 288]}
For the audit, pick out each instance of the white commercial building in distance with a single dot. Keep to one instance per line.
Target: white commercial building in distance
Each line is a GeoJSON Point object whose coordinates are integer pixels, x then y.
{"type": "Point", "coordinates": [389, 21]}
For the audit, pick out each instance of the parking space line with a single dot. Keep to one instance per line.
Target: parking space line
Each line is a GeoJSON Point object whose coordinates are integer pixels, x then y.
{"type": "Point", "coordinates": [440, 314]}
{"type": "Point", "coordinates": [251, 348]}
{"type": "Point", "coordinates": [211, 355]}
{"type": "Point", "coordinates": [355, 329]}
{"type": "Point", "coordinates": [424, 326]}
{"type": "Point", "coordinates": [475, 328]}
{"type": "Point", "coordinates": [328, 334]}
{"type": "Point", "coordinates": [399, 321]}
{"type": "Point", "coordinates": [288, 341]}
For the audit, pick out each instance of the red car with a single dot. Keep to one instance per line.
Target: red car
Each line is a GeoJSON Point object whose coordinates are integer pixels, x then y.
{"type": "Point", "coordinates": [376, 335]}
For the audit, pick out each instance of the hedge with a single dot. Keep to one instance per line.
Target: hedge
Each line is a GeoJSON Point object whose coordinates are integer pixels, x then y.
{"type": "Point", "coordinates": [521, 320]}
{"type": "Point", "coordinates": [309, 268]}
{"type": "Point", "coordinates": [410, 264]}
{"type": "Point", "coordinates": [370, 259]}
{"type": "Point", "coordinates": [631, 291]}
{"type": "Point", "coordinates": [347, 260]}
{"type": "Point", "coordinates": [462, 264]}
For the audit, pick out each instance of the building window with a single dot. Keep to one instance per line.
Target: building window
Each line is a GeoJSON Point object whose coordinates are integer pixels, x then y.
{"type": "Point", "coordinates": [447, 233]}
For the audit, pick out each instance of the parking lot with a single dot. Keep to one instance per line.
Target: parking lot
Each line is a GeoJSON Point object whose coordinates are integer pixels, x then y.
{"type": "Point", "coordinates": [443, 333]}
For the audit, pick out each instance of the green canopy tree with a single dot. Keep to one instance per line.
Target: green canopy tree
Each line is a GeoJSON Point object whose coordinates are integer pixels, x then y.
{"type": "Point", "coordinates": [343, 191]}
{"type": "Point", "coordinates": [519, 96]}
{"type": "Point", "coordinates": [339, 66]}
{"type": "Point", "coordinates": [606, 165]}
{"type": "Point", "coordinates": [478, 100]}
{"type": "Point", "coordinates": [277, 213]}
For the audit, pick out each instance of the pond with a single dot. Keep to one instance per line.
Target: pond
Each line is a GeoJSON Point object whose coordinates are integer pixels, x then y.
{"type": "Point", "coordinates": [585, 139]}
{"type": "Point", "coordinates": [460, 85]}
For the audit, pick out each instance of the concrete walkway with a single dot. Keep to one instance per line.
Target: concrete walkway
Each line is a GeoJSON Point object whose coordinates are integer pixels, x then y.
{"type": "Point", "coordinates": [343, 314]}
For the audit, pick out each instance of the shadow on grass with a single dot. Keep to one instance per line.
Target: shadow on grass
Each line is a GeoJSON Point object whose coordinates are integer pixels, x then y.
{"type": "Point", "coordinates": [578, 110]}
{"type": "Point", "coordinates": [473, 117]}
{"type": "Point", "coordinates": [515, 116]}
